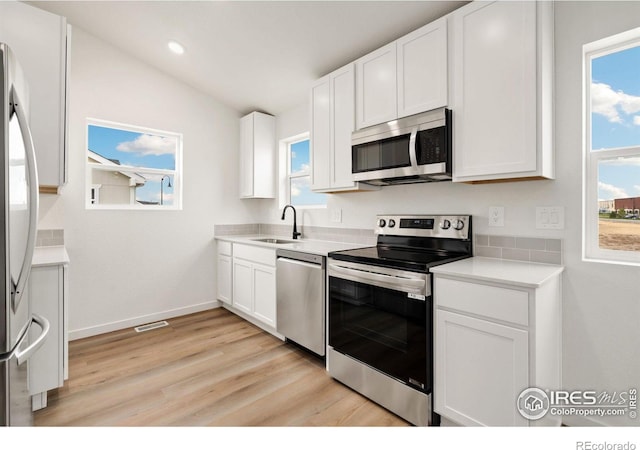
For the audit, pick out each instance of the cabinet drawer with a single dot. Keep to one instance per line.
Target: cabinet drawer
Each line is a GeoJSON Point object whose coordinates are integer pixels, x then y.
{"type": "Point", "coordinates": [499, 303]}
{"type": "Point", "coordinates": [266, 256]}
{"type": "Point", "coordinates": [224, 248]}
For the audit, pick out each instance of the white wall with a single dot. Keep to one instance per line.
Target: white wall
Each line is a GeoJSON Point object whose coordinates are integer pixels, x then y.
{"type": "Point", "coordinates": [601, 348]}
{"type": "Point", "coordinates": [137, 266]}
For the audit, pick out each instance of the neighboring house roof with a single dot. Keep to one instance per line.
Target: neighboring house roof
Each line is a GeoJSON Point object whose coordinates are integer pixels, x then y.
{"type": "Point", "coordinates": [136, 179]}
{"type": "Point", "coordinates": [144, 202]}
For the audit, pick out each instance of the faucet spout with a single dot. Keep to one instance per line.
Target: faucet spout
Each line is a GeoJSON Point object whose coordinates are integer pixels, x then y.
{"type": "Point", "coordinates": [295, 226]}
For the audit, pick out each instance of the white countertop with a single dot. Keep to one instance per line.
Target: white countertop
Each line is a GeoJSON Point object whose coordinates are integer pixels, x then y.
{"type": "Point", "coordinates": [516, 273]}
{"type": "Point", "coordinates": [313, 246]}
{"type": "Point", "coordinates": [50, 256]}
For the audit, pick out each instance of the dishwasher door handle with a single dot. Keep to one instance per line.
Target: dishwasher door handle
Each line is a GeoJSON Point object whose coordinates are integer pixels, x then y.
{"type": "Point", "coordinates": [300, 263]}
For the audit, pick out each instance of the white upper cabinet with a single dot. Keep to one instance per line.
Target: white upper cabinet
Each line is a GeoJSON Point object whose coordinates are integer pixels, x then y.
{"type": "Point", "coordinates": [257, 156]}
{"type": "Point", "coordinates": [502, 94]}
{"type": "Point", "coordinates": [422, 69]}
{"type": "Point", "coordinates": [376, 87]}
{"type": "Point", "coordinates": [321, 131]}
{"type": "Point", "coordinates": [39, 41]}
{"type": "Point", "coordinates": [405, 77]}
{"type": "Point", "coordinates": [332, 122]}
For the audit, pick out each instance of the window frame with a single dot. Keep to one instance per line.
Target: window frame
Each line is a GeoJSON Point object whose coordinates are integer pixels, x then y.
{"type": "Point", "coordinates": [591, 251]}
{"type": "Point", "coordinates": [176, 174]}
{"type": "Point", "coordinates": [285, 165]}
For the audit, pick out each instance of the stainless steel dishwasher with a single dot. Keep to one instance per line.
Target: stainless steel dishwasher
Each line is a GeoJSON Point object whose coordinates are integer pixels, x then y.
{"type": "Point", "coordinates": [300, 288]}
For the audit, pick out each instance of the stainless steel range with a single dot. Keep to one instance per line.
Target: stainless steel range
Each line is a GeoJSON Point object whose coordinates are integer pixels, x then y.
{"type": "Point", "coordinates": [380, 310]}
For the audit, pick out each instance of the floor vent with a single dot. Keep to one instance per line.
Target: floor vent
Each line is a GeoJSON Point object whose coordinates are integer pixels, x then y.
{"type": "Point", "coordinates": [151, 326]}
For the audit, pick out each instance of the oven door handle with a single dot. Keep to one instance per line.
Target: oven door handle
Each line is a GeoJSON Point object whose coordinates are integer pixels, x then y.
{"type": "Point", "coordinates": [400, 283]}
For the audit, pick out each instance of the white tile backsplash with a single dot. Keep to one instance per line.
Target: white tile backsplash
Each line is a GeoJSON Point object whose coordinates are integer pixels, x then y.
{"type": "Point", "coordinates": [519, 248]}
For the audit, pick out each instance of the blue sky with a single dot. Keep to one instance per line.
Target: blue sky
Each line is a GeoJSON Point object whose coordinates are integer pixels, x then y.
{"type": "Point", "coordinates": [615, 120]}
{"type": "Point", "coordinates": [139, 150]}
{"type": "Point", "coordinates": [301, 193]}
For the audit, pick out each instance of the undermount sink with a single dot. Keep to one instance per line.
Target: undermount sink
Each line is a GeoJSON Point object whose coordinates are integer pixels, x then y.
{"type": "Point", "coordinates": [274, 241]}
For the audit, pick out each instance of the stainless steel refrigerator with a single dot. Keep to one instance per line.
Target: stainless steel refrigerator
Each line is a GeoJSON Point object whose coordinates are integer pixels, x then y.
{"type": "Point", "coordinates": [18, 224]}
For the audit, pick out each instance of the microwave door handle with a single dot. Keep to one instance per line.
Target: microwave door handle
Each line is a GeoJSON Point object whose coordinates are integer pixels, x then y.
{"type": "Point", "coordinates": [413, 157]}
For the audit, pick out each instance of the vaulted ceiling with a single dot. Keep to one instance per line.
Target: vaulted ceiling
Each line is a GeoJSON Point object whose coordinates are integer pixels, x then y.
{"type": "Point", "coordinates": [250, 55]}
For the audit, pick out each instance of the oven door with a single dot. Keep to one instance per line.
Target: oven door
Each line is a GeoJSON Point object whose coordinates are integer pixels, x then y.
{"type": "Point", "coordinates": [382, 318]}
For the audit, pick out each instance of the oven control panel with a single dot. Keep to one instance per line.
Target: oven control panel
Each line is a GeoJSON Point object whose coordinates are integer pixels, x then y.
{"type": "Point", "coordinates": [445, 226]}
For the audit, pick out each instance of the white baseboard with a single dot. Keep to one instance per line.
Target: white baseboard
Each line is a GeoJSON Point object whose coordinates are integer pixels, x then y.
{"type": "Point", "coordinates": [141, 320]}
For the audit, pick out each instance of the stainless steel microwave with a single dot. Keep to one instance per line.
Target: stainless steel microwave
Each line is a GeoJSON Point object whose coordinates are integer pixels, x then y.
{"type": "Point", "coordinates": [413, 149]}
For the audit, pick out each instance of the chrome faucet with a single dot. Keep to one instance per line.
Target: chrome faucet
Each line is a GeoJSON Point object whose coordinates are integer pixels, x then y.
{"type": "Point", "coordinates": [295, 228]}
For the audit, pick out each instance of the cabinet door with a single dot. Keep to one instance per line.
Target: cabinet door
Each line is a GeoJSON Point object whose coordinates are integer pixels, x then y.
{"type": "Point", "coordinates": [321, 134]}
{"type": "Point", "coordinates": [376, 89]}
{"type": "Point", "coordinates": [224, 278]}
{"type": "Point", "coordinates": [343, 122]}
{"type": "Point", "coordinates": [246, 156]}
{"type": "Point", "coordinates": [46, 367]}
{"type": "Point", "coordinates": [495, 92]}
{"type": "Point", "coordinates": [242, 285]}
{"type": "Point", "coordinates": [264, 301]}
{"type": "Point", "coordinates": [264, 141]}
{"type": "Point", "coordinates": [422, 69]}
{"type": "Point", "coordinates": [38, 39]}
{"type": "Point", "coordinates": [480, 370]}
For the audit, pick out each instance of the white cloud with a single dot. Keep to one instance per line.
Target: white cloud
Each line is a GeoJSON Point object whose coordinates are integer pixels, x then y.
{"type": "Point", "coordinates": [610, 191]}
{"type": "Point", "coordinates": [604, 101]}
{"type": "Point", "coordinates": [298, 185]}
{"type": "Point", "coordinates": [305, 168]}
{"type": "Point", "coordinates": [147, 144]}
{"type": "Point", "coordinates": [637, 188]}
{"type": "Point", "coordinates": [611, 104]}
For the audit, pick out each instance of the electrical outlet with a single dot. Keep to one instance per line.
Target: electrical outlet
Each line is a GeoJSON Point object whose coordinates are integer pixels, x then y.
{"type": "Point", "coordinates": [336, 215]}
{"type": "Point", "coordinates": [496, 216]}
{"type": "Point", "coordinates": [550, 217]}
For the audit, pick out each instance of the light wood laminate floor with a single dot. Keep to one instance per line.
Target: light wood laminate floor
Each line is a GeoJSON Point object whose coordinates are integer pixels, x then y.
{"type": "Point", "coordinates": [206, 369]}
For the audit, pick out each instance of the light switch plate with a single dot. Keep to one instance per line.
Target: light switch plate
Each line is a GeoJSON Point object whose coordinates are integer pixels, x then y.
{"type": "Point", "coordinates": [336, 215]}
{"type": "Point", "coordinates": [550, 217]}
{"type": "Point", "coordinates": [496, 216]}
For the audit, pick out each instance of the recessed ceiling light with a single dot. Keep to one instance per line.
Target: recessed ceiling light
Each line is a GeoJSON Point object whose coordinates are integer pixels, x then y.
{"type": "Point", "coordinates": [176, 48]}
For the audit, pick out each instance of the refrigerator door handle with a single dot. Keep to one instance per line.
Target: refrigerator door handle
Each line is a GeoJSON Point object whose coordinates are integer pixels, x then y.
{"type": "Point", "coordinates": [24, 355]}
{"type": "Point", "coordinates": [20, 284]}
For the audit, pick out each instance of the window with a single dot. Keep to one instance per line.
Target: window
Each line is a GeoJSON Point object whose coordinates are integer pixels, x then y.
{"type": "Point", "coordinates": [297, 183]}
{"type": "Point", "coordinates": [612, 149]}
{"type": "Point", "coordinates": [132, 168]}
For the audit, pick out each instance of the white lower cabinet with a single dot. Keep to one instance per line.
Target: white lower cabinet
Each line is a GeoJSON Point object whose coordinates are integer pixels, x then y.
{"type": "Point", "coordinates": [254, 282]}
{"type": "Point", "coordinates": [48, 367]}
{"type": "Point", "coordinates": [224, 272]}
{"type": "Point", "coordinates": [264, 295]}
{"type": "Point", "coordinates": [482, 367]}
{"type": "Point", "coordinates": [491, 342]}
{"type": "Point", "coordinates": [243, 285]}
